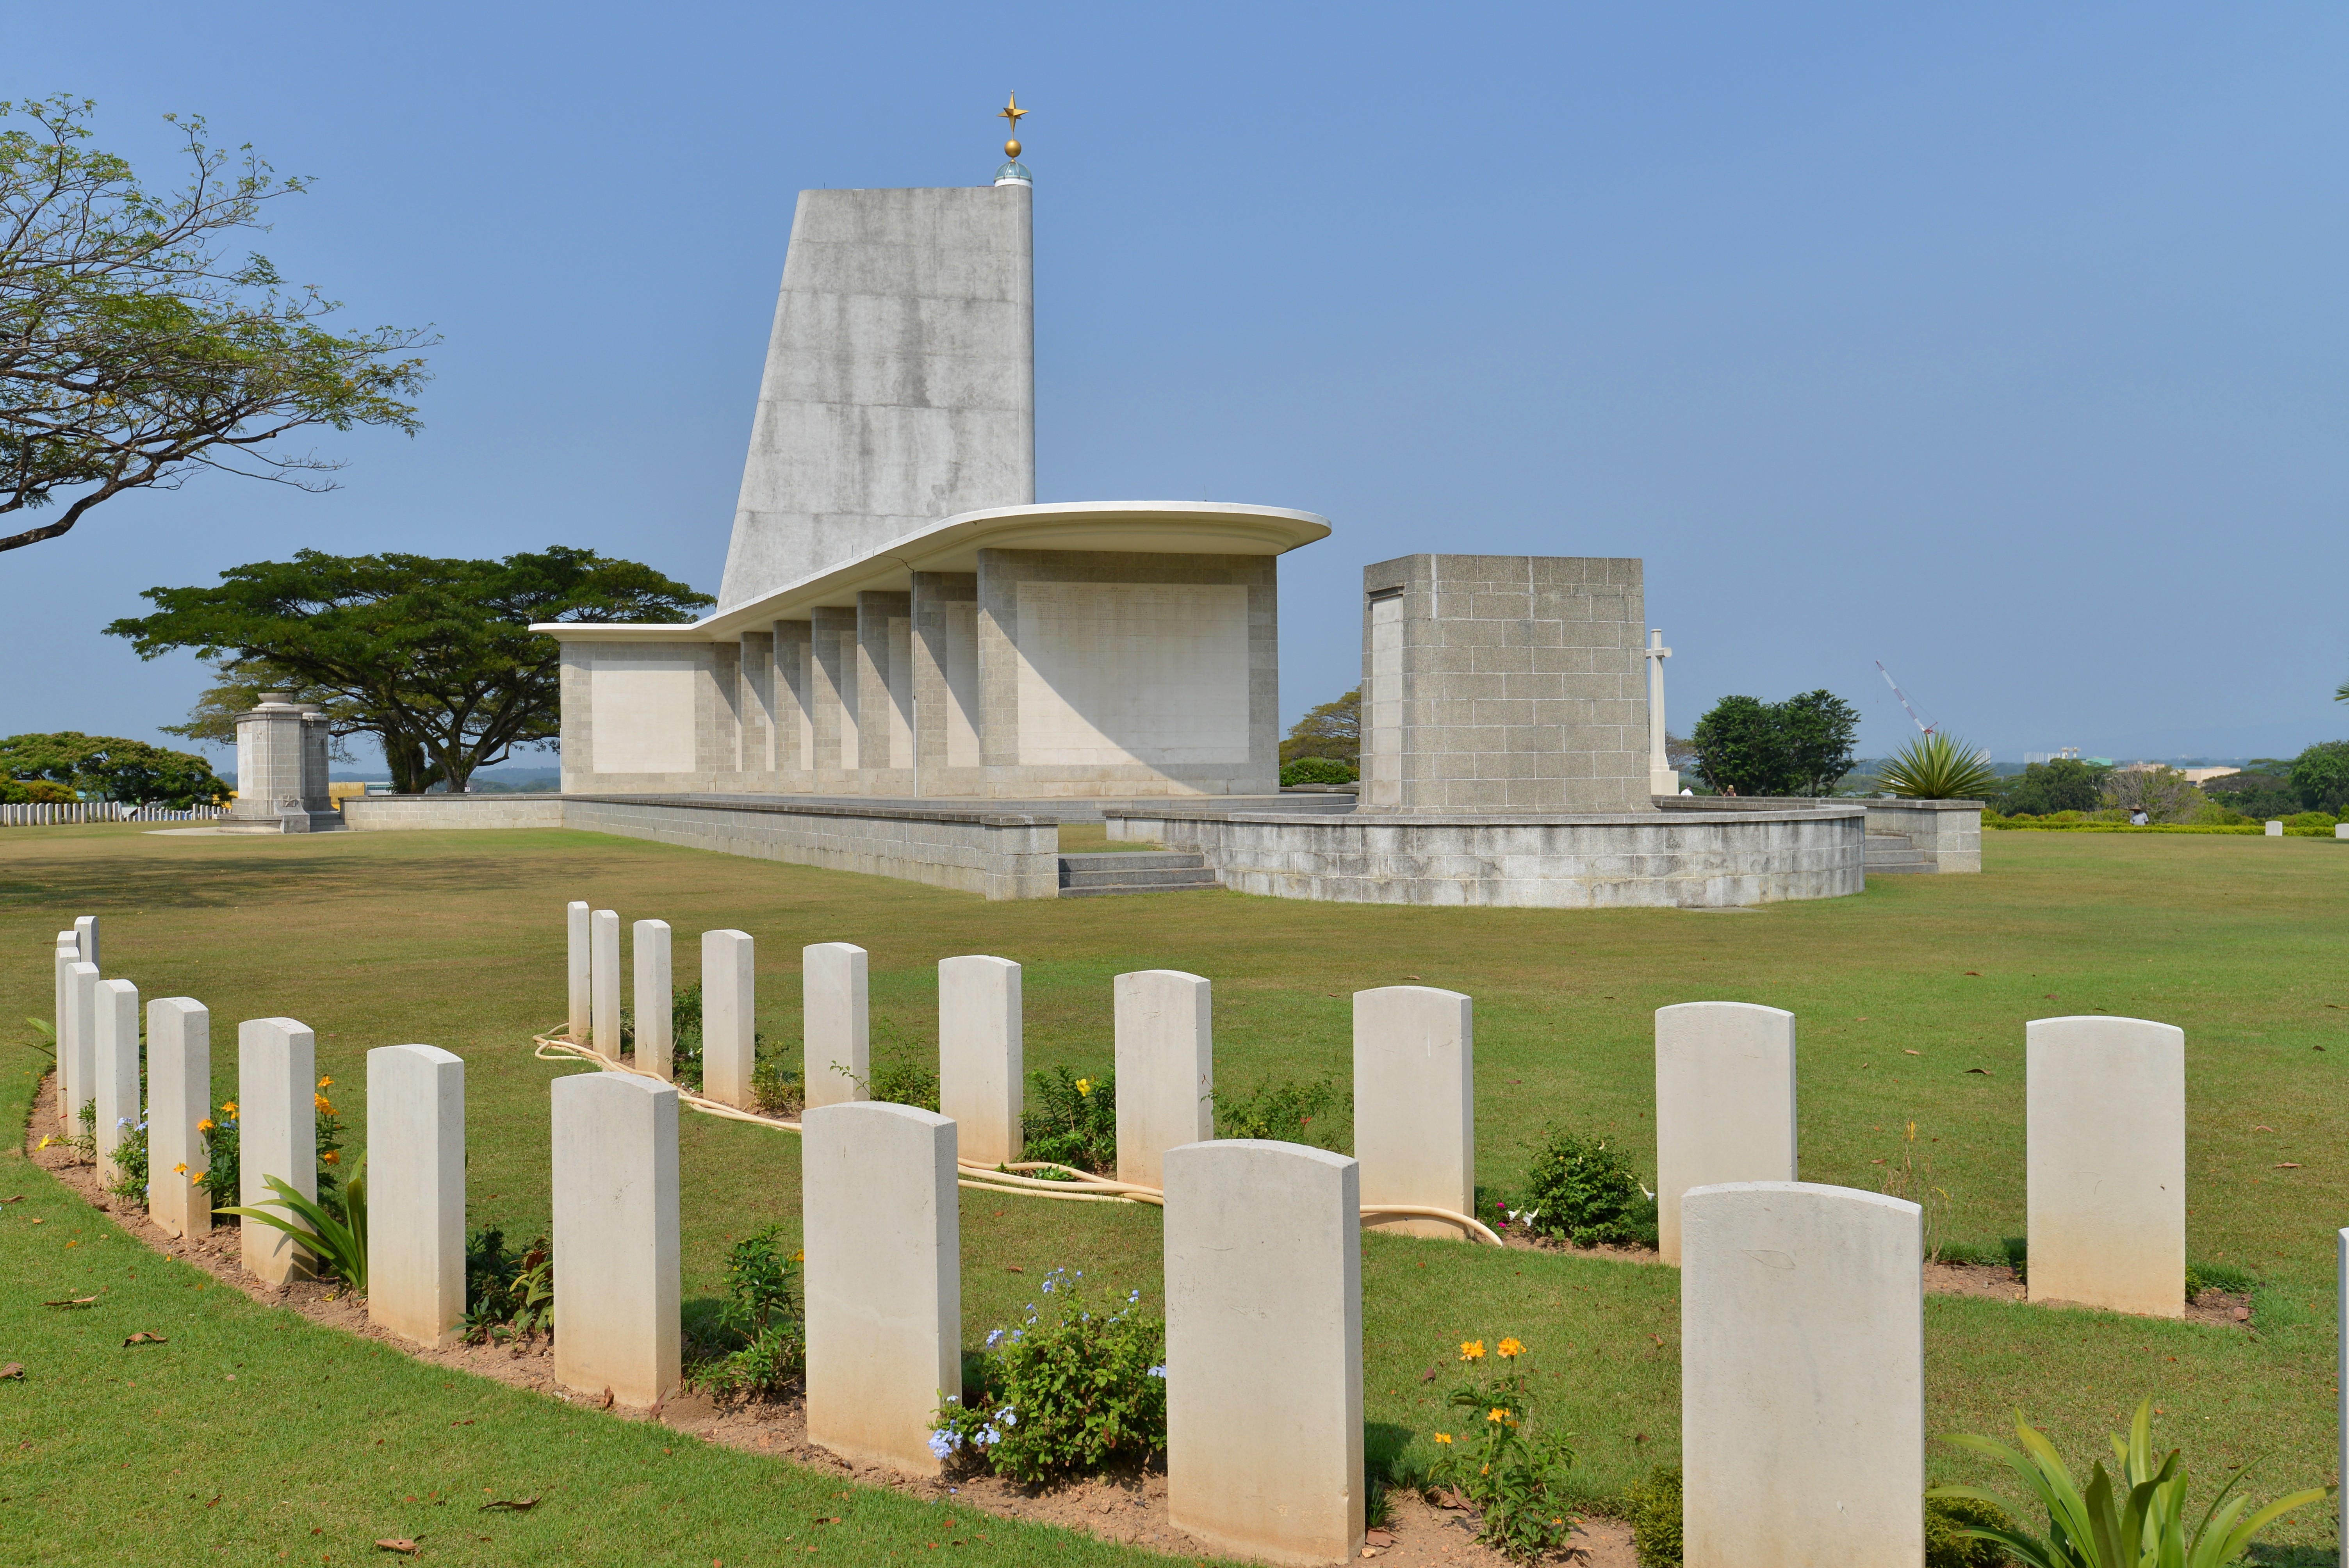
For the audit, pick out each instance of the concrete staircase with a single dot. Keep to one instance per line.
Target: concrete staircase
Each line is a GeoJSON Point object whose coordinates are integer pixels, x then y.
{"type": "Point", "coordinates": [1891, 854]}
{"type": "Point", "coordinates": [1134, 870]}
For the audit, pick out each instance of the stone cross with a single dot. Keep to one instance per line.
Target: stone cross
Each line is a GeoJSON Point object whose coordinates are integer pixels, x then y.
{"type": "Point", "coordinates": [835, 1023]}
{"type": "Point", "coordinates": [1802, 1376]}
{"type": "Point", "coordinates": [277, 1135]}
{"type": "Point", "coordinates": [618, 1269]}
{"type": "Point", "coordinates": [656, 1034]}
{"type": "Point", "coordinates": [604, 983]}
{"type": "Point", "coordinates": [883, 1233]}
{"type": "Point", "coordinates": [980, 1061]}
{"type": "Point", "coordinates": [2104, 1134]}
{"type": "Point", "coordinates": [1166, 1069]}
{"type": "Point", "coordinates": [116, 1055]}
{"type": "Point", "coordinates": [1662, 777]}
{"type": "Point", "coordinates": [1264, 1350]}
{"type": "Point", "coordinates": [179, 1096]}
{"type": "Point", "coordinates": [1415, 1103]}
{"type": "Point", "coordinates": [730, 1025]}
{"type": "Point", "coordinates": [579, 925]}
{"type": "Point", "coordinates": [1724, 1103]}
{"type": "Point", "coordinates": [416, 1192]}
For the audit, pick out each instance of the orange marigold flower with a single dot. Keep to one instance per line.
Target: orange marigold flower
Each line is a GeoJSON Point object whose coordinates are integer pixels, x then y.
{"type": "Point", "coordinates": [229, 1106]}
{"type": "Point", "coordinates": [326, 1083]}
{"type": "Point", "coordinates": [1472, 1351]}
{"type": "Point", "coordinates": [1443, 1437]}
{"type": "Point", "coordinates": [331, 1156]}
{"type": "Point", "coordinates": [180, 1169]}
{"type": "Point", "coordinates": [206, 1125]}
{"type": "Point", "coordinates": [1497, 1414]}
{"type": "Point", "coordinates": [1511, 1346]}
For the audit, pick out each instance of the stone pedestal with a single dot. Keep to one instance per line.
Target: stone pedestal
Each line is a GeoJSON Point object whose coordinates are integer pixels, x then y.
{"type": "Point", "coordinates": [281, 769]}
{"type": "Point", "coordinates": [117, 1089]}
{"type": "Point", "coordinates": [884, 1279]}
{"type": "Point", "coordinates": [981, 1069]}
{"type": "Point", "coordinates": [416, 1192]}
{"type": "Point", "coordinates": [1724, 1103]}
{"type": "Point", "coordinates": [836, 1049]}
{"type": "Point", "coordinates": [1166, 1069]}
{"type": "Point", "coordinates": [179, 1096]}
{"type": "Point", "coordinates": [1415, 1103]}
{"type": "Point", "coordinates": [277, 1135]}
{"type": "Point", "coordinates": [656, 1039]}
{"type": "Point", "coordinates": [1264, 1350]}
{"type": "Point", "coordinates": [618, 1279]}
{"type": "Point", "coordinates": [2105, 1163]}
{"type": "Point", "coordinates": [730, 1020]}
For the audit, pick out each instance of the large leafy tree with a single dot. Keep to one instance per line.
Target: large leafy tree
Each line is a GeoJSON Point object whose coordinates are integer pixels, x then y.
{"type": "Point", "coordinates": [2320, 776]}
{"type": "Point", "coordinates": [1334, 729]}
{"type": "Point", "coordinates": [434, 658]}
{"type": "Point", "coordinates": [1802, 746]}
{"type": "Point", "coordinates": [109, 768]}
{"type": "Point", "coordinates": [136, 350]}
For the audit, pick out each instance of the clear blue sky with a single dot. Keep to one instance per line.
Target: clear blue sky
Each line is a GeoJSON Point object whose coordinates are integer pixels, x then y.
{"type": "Point", "coordinates": [2002, 343]}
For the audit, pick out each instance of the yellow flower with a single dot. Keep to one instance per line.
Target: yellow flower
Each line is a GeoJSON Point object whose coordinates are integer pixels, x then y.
{"type": "Point", "coordinates": [324, 1108]}
{"type": "Point", "coordinates": [44, 1142]}
{"type": "Point", "coordinates": [1497, 1414]}
{"type": "Point", "coordinates": [1084, 1085]}
{"type": "Point", "coordinates": [180, 1169]}
{"type": "Point", "coordinates": [331, 1156]}
{"type": "Point", "coordinates": [799, 1257]}
{"type": "Point", "coordinates": [1443, 1437]}
{"type": "Point", "coordinates": [231, 1108]}
{"type": "Point", "coordinates": [1472, 1351]}
{"type": "Point", "coordinates": [1511, 1346]}
{"type": "Point", "coordinates": [326, 1083]}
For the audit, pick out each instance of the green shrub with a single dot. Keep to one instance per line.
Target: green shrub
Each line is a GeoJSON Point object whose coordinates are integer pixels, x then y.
{"type": "Point", "coordinates": [1947, 1545]}
{"type": "Point", "coordinates": [1937, 768]}
{"type": "Point", "coordinates": [1514, 1478]}
{"type": "Point", "coordinates": [2200, 1277]}
{"type": "Point", "coordinates": [130, 1163]}
{"type": "Point", "coordinates": [763, 1318]}
{"type": "Point", "coordinates": [1584, 1191]}
{"type": "Point", "coordinates": [775, 1081]}
{"type": "Point", "coordinates": [2324, 820]}
{"type": "Point", "coordinates": [905, 1083]}
{"type": "Point", "coordinates": [1651, 1506]}
{"type": "Point", "coordinates": [220, 1175]}
{"type": "Point", "coordinates": [507, 1293]}
{"type": "Point", "coordinates": [336, 1241]}
{"type": "Point", "coordinates": [1316, 770]}
{"type": "Point", "coordinates": [1070, 1389]}
{"type": "Point", "coordinates": [1072, 1120]}
{"type": "Point", "coordinates": [1288, 1110]}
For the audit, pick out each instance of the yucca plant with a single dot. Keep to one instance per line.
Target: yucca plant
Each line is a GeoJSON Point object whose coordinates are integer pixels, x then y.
{"type": "Point", "coordinates": [340, 1247]}
{"type": "Point", "coordinates": [2138, 1520]}
{"type": "Point", "coordinates": [1937, 768]}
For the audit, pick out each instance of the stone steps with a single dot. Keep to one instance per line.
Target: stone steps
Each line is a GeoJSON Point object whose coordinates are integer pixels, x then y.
{"type": "Point", "coordinates": [1109, 874]}
{"type": "Point", "coordinates": [1892, 854]}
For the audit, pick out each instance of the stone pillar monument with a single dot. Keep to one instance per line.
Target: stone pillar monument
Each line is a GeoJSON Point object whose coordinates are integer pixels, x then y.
{"type": "Point", "coordinates": [1663, 778]}
{"type": "Point", "coordinates": [281, 769]}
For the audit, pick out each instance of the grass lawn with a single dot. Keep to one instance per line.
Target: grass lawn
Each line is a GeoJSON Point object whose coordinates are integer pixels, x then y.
{"type": "Point", "coordinates": [457, 940]}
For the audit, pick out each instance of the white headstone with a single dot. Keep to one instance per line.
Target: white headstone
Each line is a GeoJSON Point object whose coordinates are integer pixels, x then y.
{"type": "Point", "coordinates": [1415, 1103]}
{"type": "Point", "coordinates": [884, 1279]}
{"type": "Point", "coordinates": [1724, 1103]}
{"type": "Point", "coordinates": [655, 1041]}
{"type": "Point", "coordinates": [1264, 1350]}
{"type": "Point", "coordinates": [2275, 830]}
{"type": "Point", "coordinates": [2341, 830]}
{"type": "Point", "coordinates": [604, 983]}
{"type": "Point", "coordinates": [2104, 1104]}
{"type": "Point", "coordinates": [578, 922]}
{"type": "Point", "coordinates": [416, 1192]}
{"type": "Point", "coordinates": [981, 1066]}
{"type": "Point", "coordinates": [1802, 1378]}
{"type": "Point", "coordinates": [85, 935]}
{"type": "Point", "coordinates": [179, 1096]}
{"type": "Point", "coordinates": [836, 1046]}
{"type": "Point", "coordinates": [68, 953]}
{"type": "Point", "coordinates": [277, 1135]}
{"type": "Point", "coordinates": [618, 1264]}
{"type": "Point", "coordinates": [118, 1072]}
{"type": "Point", "coordinates": [1166, 1069]}
{"type": "Point", "coordinates": [82, 1082]}
{"type": "Point", "coordinates": [729, 1016]}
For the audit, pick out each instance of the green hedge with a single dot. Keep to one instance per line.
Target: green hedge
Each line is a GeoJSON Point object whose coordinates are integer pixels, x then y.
{"type": "Point", "coordinates": [2034, 825]}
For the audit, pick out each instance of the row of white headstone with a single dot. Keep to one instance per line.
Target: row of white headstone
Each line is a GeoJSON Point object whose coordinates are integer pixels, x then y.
{"type": "Point", "coordinates": [415, 1133]}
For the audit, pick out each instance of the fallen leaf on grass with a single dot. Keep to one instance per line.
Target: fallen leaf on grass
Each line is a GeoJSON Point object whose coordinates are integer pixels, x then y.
{"type": "Point", "coordinates": [14, 1369]}
{"type": "Point", "coordinates": [2289, 1165]}
{"type": "Point", "coordinates": [39, 1221]}
{"type": "Point", "coordinates": [143, 1337]}
{"type": "Point", "coordinates": [820, 1518]}
{"type": "Point", "coordinates": [399, 1544]}
{"type": "Point", "coordinates": [75, 1302]}
{"type": "Point", "coordinates": [1975, 973]}
{"type": "Point", "coordinates": [1907, 1052]}
{"type": "Point", "coordinates": [20, 1197]}
{"type": "Point", "coordinates": [1429, 1375]}
{"type": "Point", "coordinates": [1378, 1538]}
{"type": "Point", "coordinates": [1013, 1268]}
{"type": "Point", "coordinates": [510, 1505]}
{"type": "Point", "coordinates": [2262, 1129]}
{"type": "Point", "coordinates": [1984, 1071]}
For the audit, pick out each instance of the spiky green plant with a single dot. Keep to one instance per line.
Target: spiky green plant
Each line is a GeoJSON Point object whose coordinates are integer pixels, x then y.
{"type": "Point", "coordinates": [1937, 768]}
{"type": "Point", "coordinates": [2138, 1520]}
{"type": "Point", "coordinates": [339, 1245]}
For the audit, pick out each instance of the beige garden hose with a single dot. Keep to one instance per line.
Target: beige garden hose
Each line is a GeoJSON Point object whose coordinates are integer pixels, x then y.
{"type": "Point", "coordinates": [1072, 1186]}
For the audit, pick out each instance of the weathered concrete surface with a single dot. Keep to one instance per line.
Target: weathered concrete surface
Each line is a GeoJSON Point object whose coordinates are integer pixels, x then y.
{"type": "Point", "coordinates": [729, 1015]}
{"type": "Point", "coordinates": [1415, 1103]}
{"type": "Point", "coordinates": [656, 1038]}
{"type": "Point", "coordinates": [900, 383]}
{"type": "Point", "coordinates": [1264, 1350]}
{"type": "Point", "coordinates": [981, 1070]}
{"type": "Point", "coordinates": [117, 1086]}
{"type": "Point", "coordinates": [416, 1192]}
{"type": "Point", "coordinates": [1165, 1058]}
{"type": "Point", "coordinates": [2105, 1163]}
{"type": "Point", "coordinates": [179, 1096]}
{"type": "Point", "coordinates": [617, 1263]}
{"type": "Point", "coordinates": [277, 1135]}
{"type": "Point", "coordinates": [835, 1028]}
{"type": "Point", "coordinates": [1724, 1103]}
{"type": "Point", "coordinates": [1802, 1378]}
{"type": "Point", "coordinates": [883, 1239]}
{"type": "Point", "coordinates": [383, 813]}
{"type": "Point", "coordinates": [1667, 859]}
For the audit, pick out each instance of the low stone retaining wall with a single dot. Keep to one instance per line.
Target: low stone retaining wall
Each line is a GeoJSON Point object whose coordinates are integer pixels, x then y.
{"type": "Point", "coordinates": [383, 812]}
{"type": "Point", "coordinates": [1946, 834]}
{"type": "Point", "coordinates": [1684, 859]}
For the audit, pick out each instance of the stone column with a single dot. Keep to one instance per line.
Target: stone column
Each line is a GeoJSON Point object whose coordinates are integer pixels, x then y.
{"type": "Point", "coordinates": [981, 1066]}
{"type": "Point", "coordinates": [179, 1096]}
{"type": "Point", "coordinates": [794, 703]}
{"type": "Point", "coordinates": [656, 1039]}
{"type": "Point", "coordinates": [85, 937]}
{"type": "Point", "coordinates": [277, 1135]}
{"type": "Point", "coordinates": [1802, 1378]}
{"type": "Point", "coordinates": [835, 1035]}
{"type": "Point", "coordinates": [617, 1263]}
{"type": "Point", "coordinates": [2106, 1134]}
{"type": "Point", "coordinates": [730, 1022]}
{"type": "Point", "coordinates": [416, 1192]}
{"type": "Point", "coordinates": [1415, 1103]}
{"type": "Point", "coordinates": [269, 763]}
{"type": "Point", "coordinates": [833, 638]}
{"type": "Point", "coordinates": [1724, 1103]}
{"type": "Point", "coordinates": [578, 923]}
{"type": "Point", "coordinates": [758, 723]}
{"type": "Point", "coordinates": [1663, 778]}
{"type": "Point", "coordinates": [1166, 1069]}
{"type": "Point", "coordinates": [945, 650]}
{"type": "Point", "coordinates": [884, 1279]}
{"type": "Point", "coordinates": [604, 983]}
{"type": "Point", "coordinates": [885, 684]}
{"type": "Point", "coordinates": [116, 1089]}
{"type": "Point", "coordinates": [1264, 1350]}
{"type": "Point", "coordinates": [84, 1078]}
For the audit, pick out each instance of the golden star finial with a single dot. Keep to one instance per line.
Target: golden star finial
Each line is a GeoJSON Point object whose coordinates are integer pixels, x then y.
{"type": "Point", "coordinates": [1012, 114]}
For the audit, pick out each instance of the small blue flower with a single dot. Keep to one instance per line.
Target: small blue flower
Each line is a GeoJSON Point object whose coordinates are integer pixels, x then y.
{"type": "Point", "coordinates": [944, 1443]}
{"type": "Point", "coordinates": [1015, 1336]}
{"type": "Point", "coordinates": [1132, 1296]}
{"type": "Point", "coordinates": [1158, 1372]}
{"type": "Point", "coordinates": [1047, 1286]}
{"type": "Point", "coordinates": [988, 1437]}
{"type": "Point", "coordinates": [1007, 1415]}
{"type": "Point", "coordinates": [995, 1339]}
